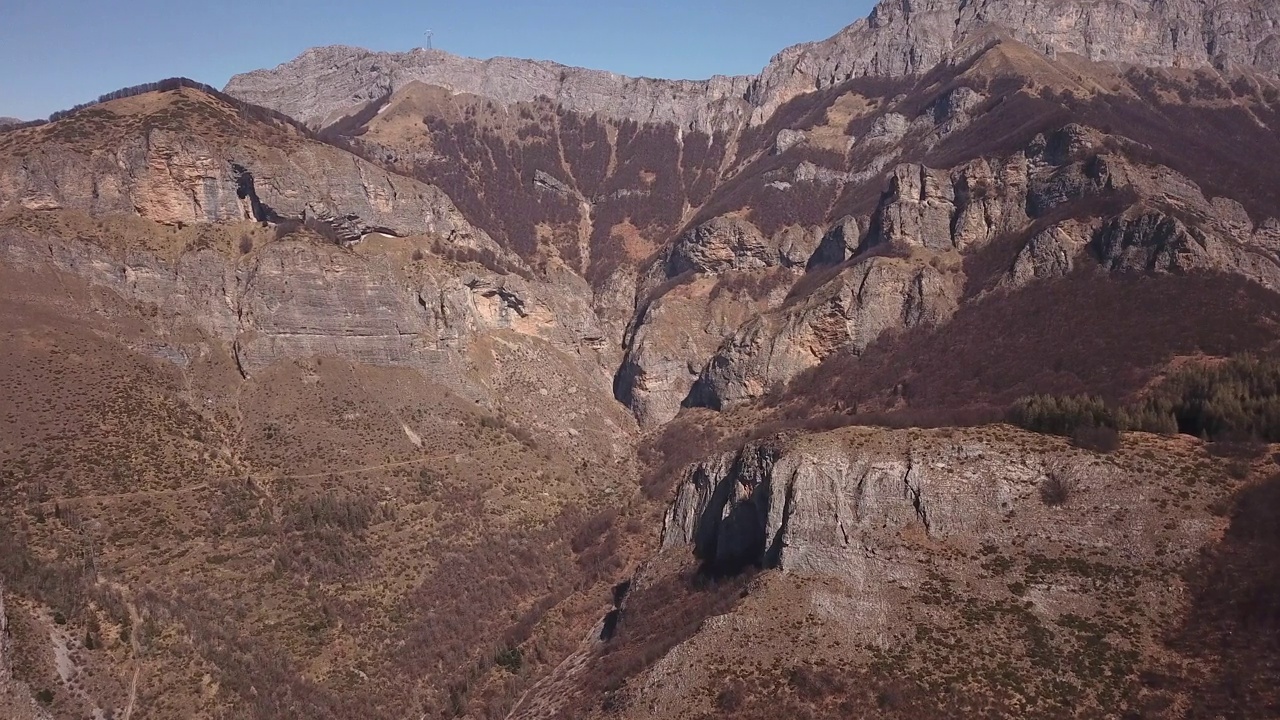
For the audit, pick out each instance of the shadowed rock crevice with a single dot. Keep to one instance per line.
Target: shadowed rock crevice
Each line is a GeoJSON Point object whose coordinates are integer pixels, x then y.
{"type": "Point", "coordinates": [246, 191]}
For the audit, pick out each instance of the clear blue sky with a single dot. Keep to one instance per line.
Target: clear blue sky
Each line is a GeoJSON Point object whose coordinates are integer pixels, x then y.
{"type": "Point", "coordinates": [56, 53]}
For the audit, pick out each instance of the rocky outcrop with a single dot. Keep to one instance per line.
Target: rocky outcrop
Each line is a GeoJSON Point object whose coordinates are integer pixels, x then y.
{"type": "Point", "coordinates": [919, 208]}
{"type": "Point", "coordinates": [909, 38]}
{"type": "Point", "coordinates": [669, 345]}
{"type": "Point", "coordinates": [848, 313]}
{"type": "Point", "coordinates": [731, 243]}
{"type": "Point", "coordinates": [323, 84]}
{"type": "Point", "coordinates": [898, 38]}
{"type": "Point", "coordinates": [679, 328]}
{"type": "Point", "coordinates": [1068, 193]}
{"type": "Point", "coordinates": [839, 504]}
{"type": "Point", "coordinates": [838, 244]}
{"type": "Point", "coordinates": [1050, 253]}
{"type": "Point", "coordinates": [180, 178]}
{"type": "Point", "coordinates": [498, 339]}
{"type": "Point", "coordinates": [123, 157]}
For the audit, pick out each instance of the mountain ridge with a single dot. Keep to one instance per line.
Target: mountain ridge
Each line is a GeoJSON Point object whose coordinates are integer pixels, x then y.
{"type": "Point", "coordinates": [885, 401]}
{"type": "Point", "coordinates": [897, 38]}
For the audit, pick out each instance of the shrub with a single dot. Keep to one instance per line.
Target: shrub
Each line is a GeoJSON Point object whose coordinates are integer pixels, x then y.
{"type": "Point", "coordinates": [1058, 486]}
{"type": "Point", "coordinates": [889, 698]}
{"type": "Point", "coordinates": [732, 697]}
{"type": "Point", "coordinates": [1098, 438]}
{"type": "Point", "coordinates": [246, 244]}
{"type": "Point", "coordinates": [510, 659]}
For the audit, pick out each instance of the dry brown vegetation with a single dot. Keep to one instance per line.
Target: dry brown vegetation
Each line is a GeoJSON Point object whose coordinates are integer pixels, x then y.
{"type": "Point", "coordinates": [177, 105]}
{"type": "Point", "coordinates": [631, 174]}
{"type": "Point", "coordinates": [280, 546]}
{"type": "Point", "coordinates": [1232, 626]}
{"type": "Point", "coordinates": [1109, 336]}
{"type": "Point", "coordinates": [277, 535]}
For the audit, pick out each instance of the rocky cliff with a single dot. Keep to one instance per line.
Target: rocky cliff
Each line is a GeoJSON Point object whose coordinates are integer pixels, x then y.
{"type": "Point", "coordinates": [840, 504]}
{"type": "Point", "coordinates": [898, 38]}
{"type": "Point", "coordinates": [402, 280]}
{"type": "Point", "coordinates": [907, 38]}
{"type": "Point", "coordinates": [184, 157]}
{"type": "Point", "coordinates": [409, 418]}
{"type": "Point", "coordinates": [925, 237]}
{"type": "Point", "coordinates": [902, 556]}
{"type": "Point", "coordinates": [323, 84]}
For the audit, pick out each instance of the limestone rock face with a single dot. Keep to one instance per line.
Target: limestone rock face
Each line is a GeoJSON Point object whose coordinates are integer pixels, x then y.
{"type": "Point", "coordinates": [838, 244]}
{"type": "Point", "coordinates": [325, 83]}
{"type": "Point", "coordinates": [850, 312]}
{"type": "Point", "coordinates": [166, 176]}
{"type": "Point", "coordinates": [672, 337]}
{"type": "Point", "coordinates": [1152, 242]}
{"type": "Point", "coordinates": [176, 178]}
{"type": "Point", "coordinates": [834, 506]}
{"type": "Point", "coordinates": [1062, 197]}
{"type": "Point", "coordinates": [1050, 253]}
{"type": "Point", "coordinates": [905, 38]}
{"type": "Point", "coordinates": [919, 209]}
{"type": "Point", "coordinates": [898, 38]}
{"type": "Point", "coordinates": [670, 343]}
{"type": "Point", "coordinates": [352, 194]}
{"type": "Point", "coordinates": [300, 299]}
{"type": "Point", "coordinates": [726, 243]}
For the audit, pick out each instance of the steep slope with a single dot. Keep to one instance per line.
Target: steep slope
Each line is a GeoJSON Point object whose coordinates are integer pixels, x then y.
{"type": "Point", "coordinates": [270, 453]}
{"type": "Point", "coordinates": [340, 420]}
{"type": "Point", "coordinates": [911, 38]}
{"type": "Point", "coordinates": [966, 185]}
{"type": "Point", "coordinates": [898, 38]}
{"type": "Point", "coordinates": [925, 574]}
{"type": "Point", "coordinates": [185, 156]}
{"type": "Point", "coordinates": [998, 168]}
{"type": "Point", "coordinates": [323, 84]}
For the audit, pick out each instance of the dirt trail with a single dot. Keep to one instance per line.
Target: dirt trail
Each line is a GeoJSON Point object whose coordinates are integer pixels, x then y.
{"type": "Point", "coordinates": [135, 649]}
{"type": "Point", "coordinates": [71, 502]}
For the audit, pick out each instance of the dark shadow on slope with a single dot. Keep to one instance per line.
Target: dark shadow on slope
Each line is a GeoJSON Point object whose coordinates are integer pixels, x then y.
{"type": "Point", "coordinates": [1233, 624]}
{"type": "Point", "coordinates": [1088, 333]}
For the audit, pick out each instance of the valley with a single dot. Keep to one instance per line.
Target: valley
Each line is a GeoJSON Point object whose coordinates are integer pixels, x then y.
{"type": "Point", "coordinates": [930, 373]}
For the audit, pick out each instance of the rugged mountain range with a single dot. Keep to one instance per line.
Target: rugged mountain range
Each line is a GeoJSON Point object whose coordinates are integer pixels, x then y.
{"type": "Point", "coordinates": [389, 385]}
{"type": "Point", "coordinates": [897, 39]}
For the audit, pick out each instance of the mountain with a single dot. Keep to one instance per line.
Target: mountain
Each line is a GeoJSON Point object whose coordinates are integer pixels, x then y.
{"type": "Point", "coordinates": [291, 405]}
{"type": "Point", "coordinates": [9, 121]}
{"type": "Point", "coordinates": [930, 373]}
{"type": "Point", "coordinates": [897, 39]}
{"type": "Point", "coordinates": [990, 172]}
